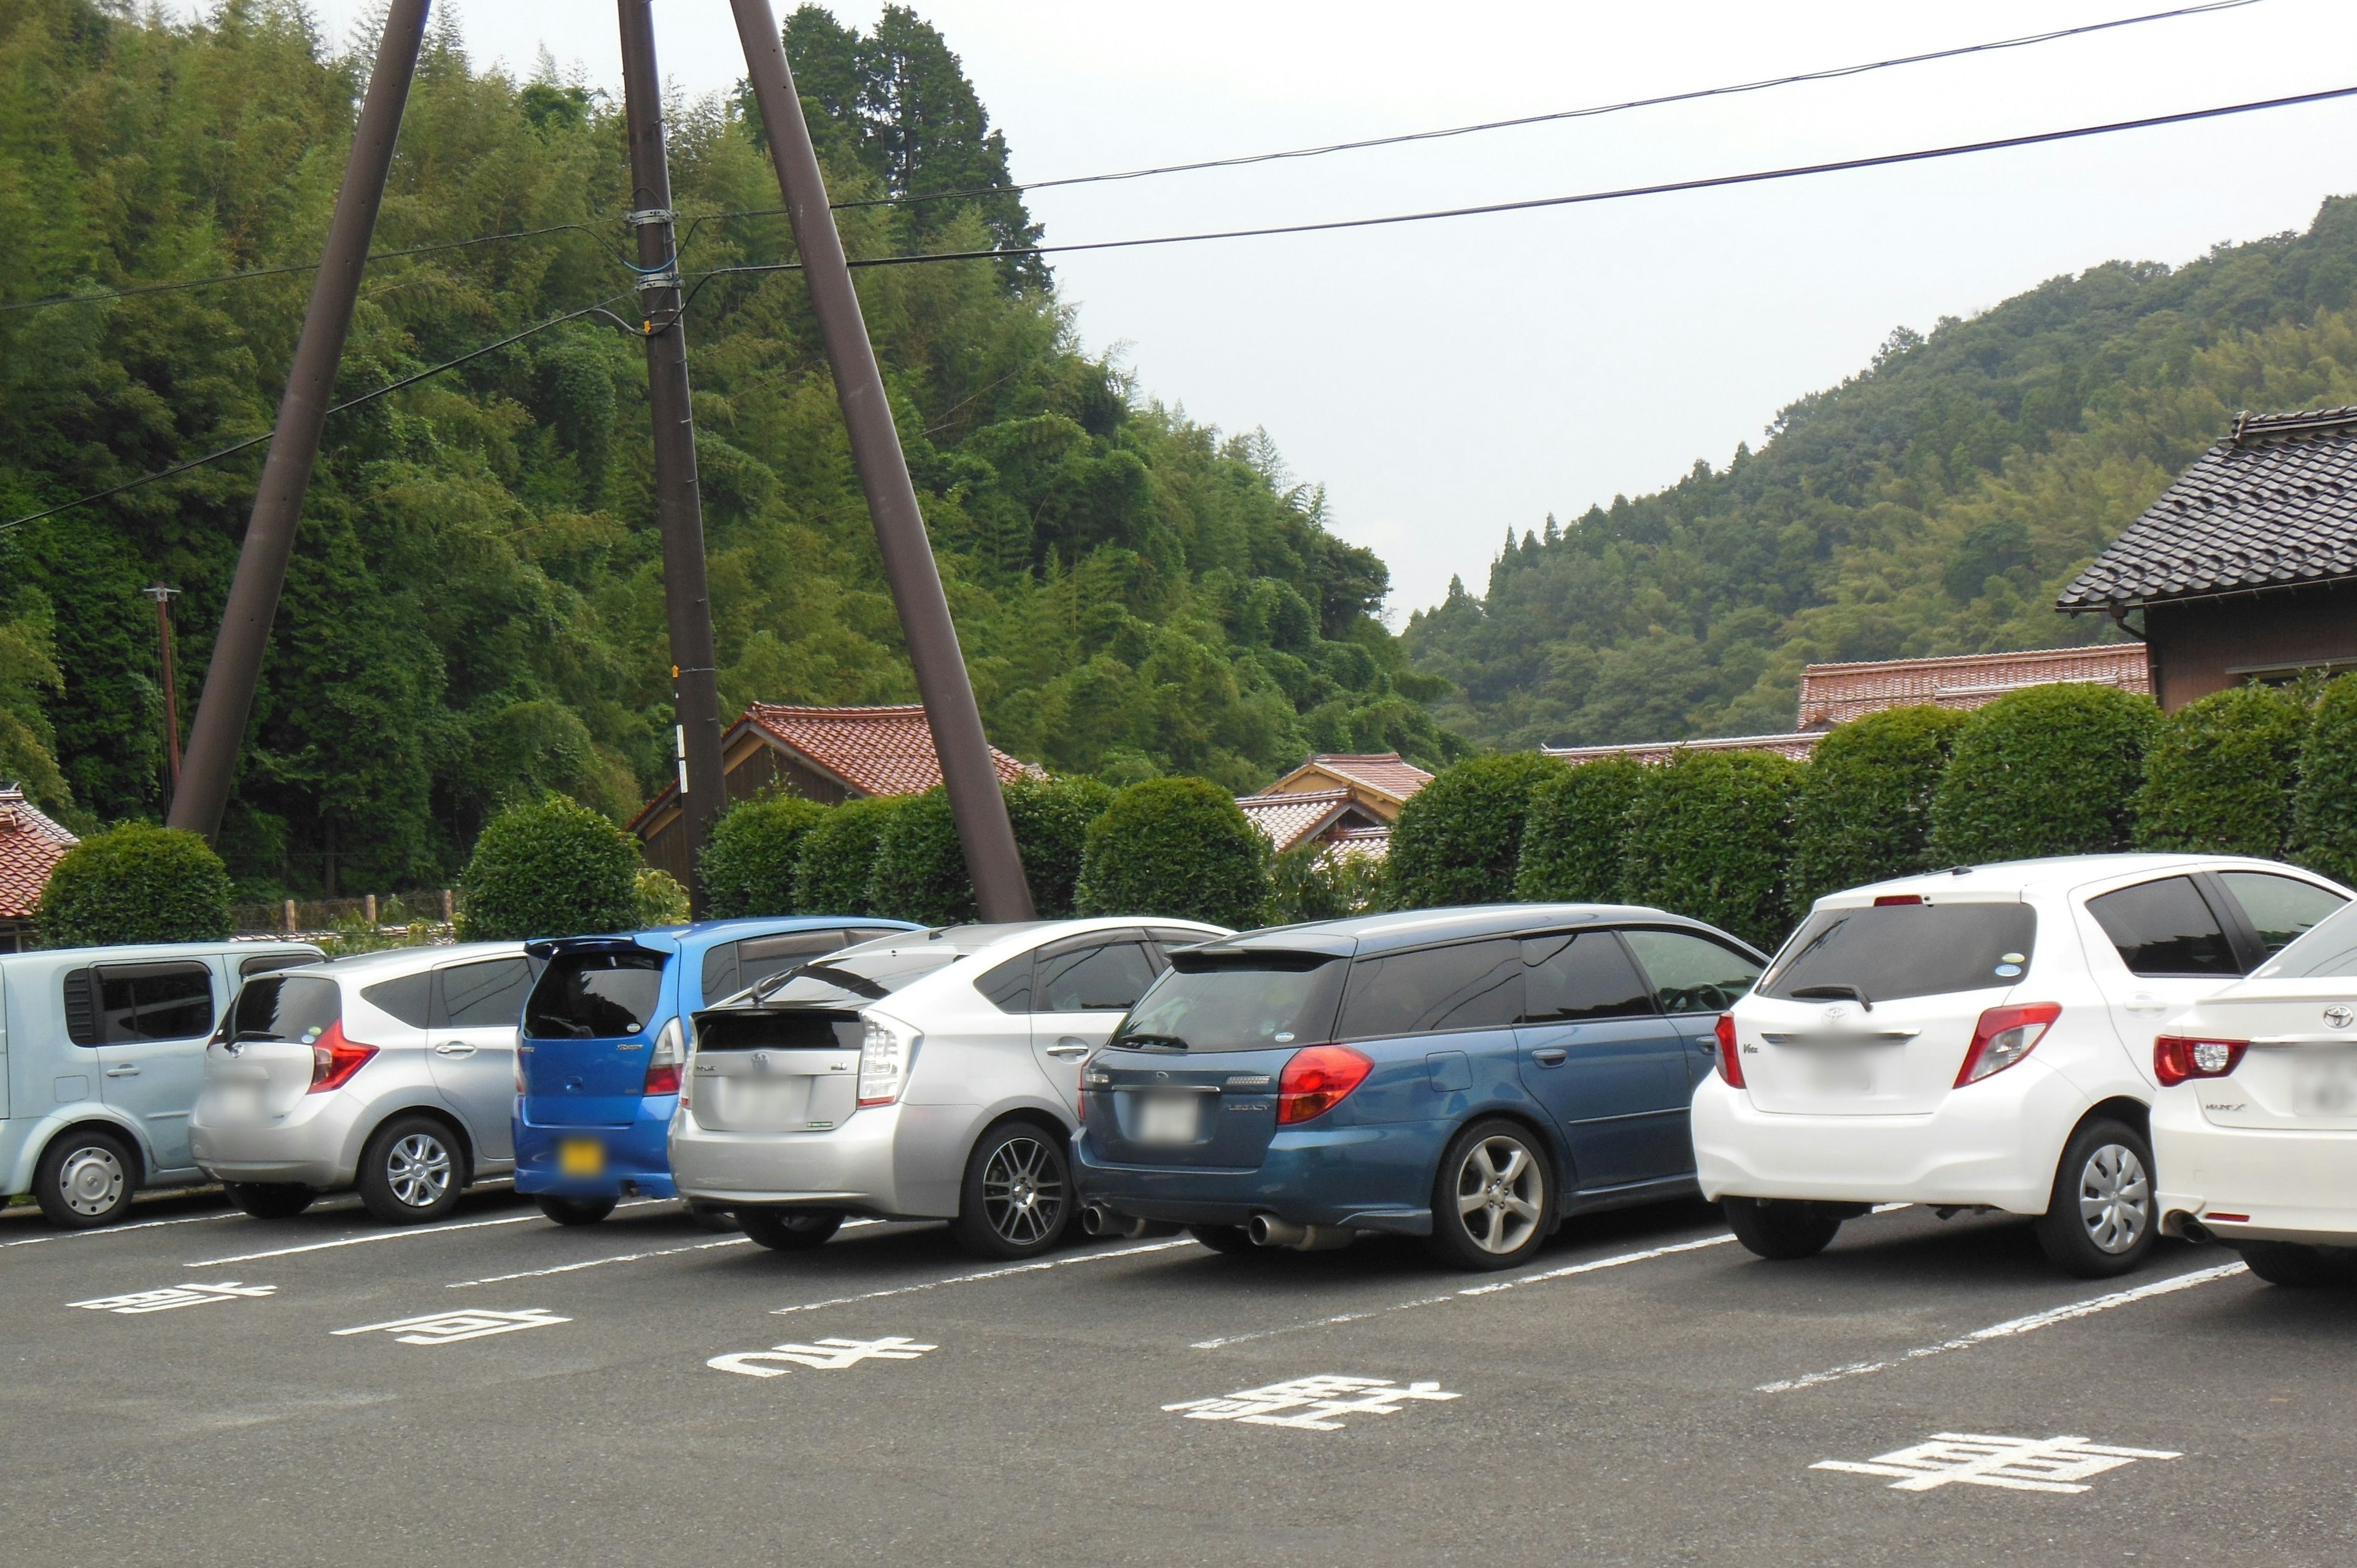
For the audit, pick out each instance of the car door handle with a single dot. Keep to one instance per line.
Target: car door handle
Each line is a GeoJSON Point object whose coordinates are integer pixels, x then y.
{"type": "Point", "coordinates": [1553, 1056]}
{"type": "Point", "coordinates": [454, 1048]}
{"type": "Point", "coordinates": [125, 1071]}
{"type": "Point", "coordinates": [2145, 1002]}
{"type": "Point", "coordinates": [1706, 1044]}
{"type": "Point", "coordinates": [1069, 1049]}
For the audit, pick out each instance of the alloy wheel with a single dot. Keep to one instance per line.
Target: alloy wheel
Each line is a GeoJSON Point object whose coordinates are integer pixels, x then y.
{"type": "Point", "coordinates": [1022, 1192]}
{"type": "Point", "coordinates": [417, 1169]}
{"type": "Point", "coordinates": [2114, 1198]}
{"type": "Point", "coordinates": [91, 1180]}
{"type": "Point", "coordinates": [1499, 1194]}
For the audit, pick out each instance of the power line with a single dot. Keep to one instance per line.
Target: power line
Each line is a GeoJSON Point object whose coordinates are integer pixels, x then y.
{"type": "Point", "coordinates": [389, 387]}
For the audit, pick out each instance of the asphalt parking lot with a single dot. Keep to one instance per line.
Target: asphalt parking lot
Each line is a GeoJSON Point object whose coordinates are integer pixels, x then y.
{"type": "Point", "coordinates": [499, 1389]}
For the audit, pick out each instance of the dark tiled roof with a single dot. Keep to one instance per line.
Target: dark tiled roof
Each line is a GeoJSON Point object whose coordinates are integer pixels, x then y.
{"type": "Point", "coordinates": [30, 847]}
{"type": "Point", "coordinates": [1836, 694]}
{"type": "Point", "coordinates": [2272, 506]}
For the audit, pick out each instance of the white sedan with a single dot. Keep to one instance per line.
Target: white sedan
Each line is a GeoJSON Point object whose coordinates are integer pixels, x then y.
{"type": "Point", "coordinates": [2254, 1127]}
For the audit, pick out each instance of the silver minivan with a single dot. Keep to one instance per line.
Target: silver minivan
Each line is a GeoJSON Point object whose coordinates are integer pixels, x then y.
{"type": "Point", "coordinates": [102, 1050]}
{"type": "Point", "coordinates": [392, 1072]}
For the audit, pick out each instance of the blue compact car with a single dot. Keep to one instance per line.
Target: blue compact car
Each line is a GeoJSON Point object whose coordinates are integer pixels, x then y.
{"type": "Point", "coordinates": [604, 1043]}
{"type": "Point", "coordinates": [1472, 1075]}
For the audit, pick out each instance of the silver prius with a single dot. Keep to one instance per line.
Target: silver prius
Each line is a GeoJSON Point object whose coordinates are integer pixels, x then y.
{"type": "Point", "coordinates": [927, 1075]}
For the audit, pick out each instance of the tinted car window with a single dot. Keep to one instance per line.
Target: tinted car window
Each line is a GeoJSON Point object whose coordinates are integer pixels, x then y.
{"type": "Point", "coordinates": [594, 997]}
{"type": "Point", "coordinates": [1891, 950]}
{"type": "Point", "coordinates": [1692, 973]}
{"type": "Point", "coordinates": [2165, 927]}
{"type": "Point", "coordinates": [280, 1008]}
{"type": "Point", "coordinates": [154, 1001]}
{"type": "Point", "coordinates": [1109, 979]}
{"type": "Point", "coordinates": [2329, 950]}
{"type": "Point", "coordinates": [2280, 908]}
{"type": "Point", "coordinates": [1008, 986]}
{"type": "Point", "coordinates": [732, 966]}
{"type": "Point", "coordinates": [1583, 975]}
{"type": "Point", "coordinates": [1260, 1003]}
{"type": "Point", "coordinates": [485, 995]}
{"type": "Point", "coordinates": [269, 961]}
{"type": "Point", "coordinates": [868, 976]}
{"type": "Point", "coordinates": [1469, 986]}
{"type": "Point", "coordinates": [409, 997]}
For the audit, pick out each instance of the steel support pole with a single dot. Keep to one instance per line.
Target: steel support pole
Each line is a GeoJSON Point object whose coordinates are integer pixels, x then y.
{"type": "Point", "coordinates": [983, 831]}
{"type": "Point", "coordinates": [163, 597]}
{"type": "Point", "coordinates": [227, 702]}
{"type": "Point", "coordinates": [679, 506]}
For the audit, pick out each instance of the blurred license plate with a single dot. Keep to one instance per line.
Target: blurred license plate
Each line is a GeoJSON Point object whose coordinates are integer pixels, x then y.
{"type": "Point", "coordinates": [2324, 1083]}
{"type": "Point", "coordinates": [1837, 1070]}
{"type": "Point", "coordinates": [1166, 1119]}
{"type": "Point", "coordinates": [581, 1157]}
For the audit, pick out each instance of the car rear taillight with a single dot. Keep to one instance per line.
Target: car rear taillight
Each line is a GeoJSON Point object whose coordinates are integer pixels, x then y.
{"type": "Point", "coordinates": [1729, 1068]}
{"type": "Point", "coordinates": [334, 1058]}
{"type": "Point", "coordinates": [1891, 900]}
{"type": "Point", "coordinates": [2176, 1057]}
{"type": "Point", "coordinates": [1317, 1079]}
{"type": "Point", "coordinates": [665, 1060]}
{"type": "Point", "coordinates": [2002, 1036]}
{"type": "Point", "coordinates": [884, 1051]}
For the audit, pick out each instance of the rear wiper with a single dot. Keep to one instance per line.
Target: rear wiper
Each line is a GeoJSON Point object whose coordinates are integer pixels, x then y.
{"type": "Point", "coordinates": [1150, 1042]}
{"type": "Point", "coordinates": [1831, 994]}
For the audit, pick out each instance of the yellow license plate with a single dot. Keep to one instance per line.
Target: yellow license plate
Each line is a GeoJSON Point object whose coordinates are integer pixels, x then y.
{"type": "Point", "coordinates": [581, 1157]}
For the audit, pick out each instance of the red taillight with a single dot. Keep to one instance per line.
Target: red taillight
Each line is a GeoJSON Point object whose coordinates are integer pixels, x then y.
{"type": "Point", "coordinates": [1315, 1081]}
{"type": "Point", "coordinates": [2176, 1057]}
{"type": "Point", "coordinates": [662, 1077]}
{"type": "Point", "coordinates": [665, 1061]}
{"type": "Point", "coordinates": [2002, 1036]}
{"type": "Point", "coordinates": [1887, 899]}
{"type": "Point", "coordinates": [1729, 1067]}
{"type": "Point", "coordinates": [334, 1060]}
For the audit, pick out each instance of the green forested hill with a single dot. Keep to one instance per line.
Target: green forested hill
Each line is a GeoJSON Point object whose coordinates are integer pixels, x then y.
{"type": "Point", "coordinates": [475, 608]}
{"type": "Point", "coordinates": [1934, 503]}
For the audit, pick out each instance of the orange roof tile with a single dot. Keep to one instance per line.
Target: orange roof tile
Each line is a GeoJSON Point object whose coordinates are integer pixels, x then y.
{"type": "Point", "coordinates": [877, 751]}
{"type": "Point", "coordinates": [1385, 771]}
{"type": "Point", "coordinates": [1836, 694]}
{"type": "Point", "coordinates": [1285, 820]}
{"type": "Point", "coordinates": [30, 847]}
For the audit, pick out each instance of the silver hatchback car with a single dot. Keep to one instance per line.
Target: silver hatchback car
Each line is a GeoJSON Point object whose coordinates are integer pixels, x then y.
{"type": "Point", "coordinates": [927, 1075]}
{"type": "Point", "coordinates": [393, 1072]}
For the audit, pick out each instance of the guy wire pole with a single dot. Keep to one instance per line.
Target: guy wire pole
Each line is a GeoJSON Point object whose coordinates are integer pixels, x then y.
{"type": "Point", "coordinates": [679, 509]}
{"type": "Point", "coordinates": [244, 636]}
{"type": "Point", "coordinates": [164, 598]}
{"type": "Point", "coordinates": [980, 809]}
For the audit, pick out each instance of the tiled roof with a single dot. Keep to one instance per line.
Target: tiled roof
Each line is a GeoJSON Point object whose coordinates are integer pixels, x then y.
{"type": "Point", "coordinates": [2272, 506]}
{"type": "Point", "coordinates": [1385, 771]}
{"type": "Point", "coordinates": [1836, 694]}
{"type": "Point", "coordinates": [1285, 820]}
{"type": "Point", "coordinates": [1797, 747]}
{"type": "Point", "coordinates": [1356, 842]}
{"type": "Point", "coordinates": [877, 751]}
{"type": "Point", "coordinates": [30, 846]}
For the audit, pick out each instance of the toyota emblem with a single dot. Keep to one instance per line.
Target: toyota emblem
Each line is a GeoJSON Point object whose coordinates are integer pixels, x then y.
{"type": "Point", "coordinates": [1836, 1013]}
{"type": "Point", "coordinates": [762, 1061]}
{"type": "Point", "coordinates": [2338, 1017]}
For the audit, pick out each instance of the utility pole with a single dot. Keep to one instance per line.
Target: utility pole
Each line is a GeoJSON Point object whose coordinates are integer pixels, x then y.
{"type": "Point", "coordinates": [679, 506]}
{"type": "Point", "coordinates": [983, 831]}
{"type": "Point", "coordinates": [219, 733]}
{"type": "Point", "coordinates": [164, 598]}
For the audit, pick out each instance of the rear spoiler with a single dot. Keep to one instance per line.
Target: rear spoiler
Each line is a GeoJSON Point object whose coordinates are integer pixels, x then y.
{"type": "Point", "coordinates": [546, 947]}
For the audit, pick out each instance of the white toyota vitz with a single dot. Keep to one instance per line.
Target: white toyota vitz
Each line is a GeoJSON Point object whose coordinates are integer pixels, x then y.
{"type": "Point", "coordinates": [1981, 1039]}
{"type": "Point", "coordinates": [2255, 1123]}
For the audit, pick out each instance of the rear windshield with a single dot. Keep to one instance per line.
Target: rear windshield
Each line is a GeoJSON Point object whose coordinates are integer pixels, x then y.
{"type": "Point", "coordinates": [277, 1007]}
{"type": "Point", "coordinates": [1889, 951]}
{"type": "Point", "coordinates": [865, 976]}
{"type": "Point", "coordinates": [1236, 1007]}
{"type": "Point", "coordinates": [594, 997]}
{"type": "Point", "coordinates": [2328, 950]}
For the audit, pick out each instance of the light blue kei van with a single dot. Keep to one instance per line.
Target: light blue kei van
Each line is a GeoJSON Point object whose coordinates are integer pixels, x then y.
{"type": "Point", "coordinates": [102, 1054]}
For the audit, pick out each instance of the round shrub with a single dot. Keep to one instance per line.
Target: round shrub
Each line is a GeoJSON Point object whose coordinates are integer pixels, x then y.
{"type": "Point", "coordinates": [2046, 770]}
{"type": "Point", "coordinates": [550, 867]}
{"type": "Point", "coordinates": [920, 871]}
{"type": "Point", "coordinates": [1709, 837]}
{"type": "Point", "coordinates": [1459, 837]}
{"type": "Point", "coordinates": [839, 857]}
{"type": "Point", "coordinates": [1865, 808]}
{"type": "Point", "coordinates": [1578, 823]}
{"type": "Point", "coordinates": [750, 861]}
{"type": "Point", "coordinates": [2220, 775]}
{"type": "Point", "coordinates": [1051, 819]}
{"type": "Point", "coordinates": [136, 884]}
{"type": "Point", "coordinates": [2324, 804]}
{"type": "Point", "coordinates": [1176, 847]}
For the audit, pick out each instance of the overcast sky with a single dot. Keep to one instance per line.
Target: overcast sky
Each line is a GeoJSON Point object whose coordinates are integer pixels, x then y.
{"type": "Point", "coordinates": [1449, 380]}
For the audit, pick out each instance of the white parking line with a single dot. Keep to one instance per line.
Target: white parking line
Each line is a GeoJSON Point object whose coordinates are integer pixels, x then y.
{"type": "Point", "coordinates": [984, 1275]}
{"type": "Point", "coordinates": [2012, 1326]}
{"type": "Point", "coordinates": [400, 1234]}
{"type": "Point", "coordinates": [119, 1229]}
{"type": "Point", "coordinates": [600, 1263]}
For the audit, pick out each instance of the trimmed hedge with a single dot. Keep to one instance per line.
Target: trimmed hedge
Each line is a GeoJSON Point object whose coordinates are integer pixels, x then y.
{"type": "Point", "coordinates": [920, 871]}
{"type": "Point", "coordinates": [1709, 832]}
{"type": "Point", "coordinates": [839, 857]}
{"type": "Point", "coordinates": [1864, 813]}
{"type": "Point", "coordinates": [1051, 819]}
{"type": "Point", "coordinates": [1176, 847]}
{"type": "Point", "coordinates": [1459, 837]}
{"type": "Point", "coordinates": [2046, 770]}
{"type": "Point", "coordinates": [749, 862]}
{"type": "Point", "coordinates": [2324, 804]}
{"type": "Point", "coordinates": [550, 867]}
{"type": "Point", "coordinates": [1577, 828]}
{"type": "Point", "coordinates": [139, 883]}
{"type": "Point", "coordinates": [1308, 883]}
{"type": "Point", "coordinates": [2220, 775]}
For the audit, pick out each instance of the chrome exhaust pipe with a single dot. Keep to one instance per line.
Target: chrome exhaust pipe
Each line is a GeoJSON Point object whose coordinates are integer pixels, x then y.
{"type": "Point", "coordinates": [1267, 1230]}
{"type": "Point", "coordinates": [1096, 1219]}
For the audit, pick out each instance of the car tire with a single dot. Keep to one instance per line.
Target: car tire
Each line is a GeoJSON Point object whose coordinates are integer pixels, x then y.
{"type": "Point", "coordinates": [2101, 1220]}
{"type": "Point", "coordinates": [1778, 1228]}
{"type": "Point", "coordinates": [1493, 1201]}
{"type": "Point", "coordinates": [2288, 1263]}
{"type": "Point", "coordinates": [1230, 1239]}
{"type": "Point", "coordinates": [270, 1200]}
{"type": "Point", "coordinates": [85, 1179]}
{"type": "Point", "coordinates": [789, 1230]}
{"type": "Point", "coordinates": [1017, 1198]}
{"type": "Point", "coordinates": [412, 1170]}
{"type": "Point", "coordinates": [575, 1210]}
{"type": "Point", "coordinates": [710, 1217]}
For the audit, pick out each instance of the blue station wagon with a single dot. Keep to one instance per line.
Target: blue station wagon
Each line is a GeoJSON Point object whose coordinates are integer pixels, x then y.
{"type": "Point", "coordinates": [605, 1039]}
{"type": "Point", "coordinates": [1472, 1076]}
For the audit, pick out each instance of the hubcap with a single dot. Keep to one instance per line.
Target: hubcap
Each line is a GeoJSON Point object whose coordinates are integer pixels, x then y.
{"type": "Point", "coordinates": [90, 1181]}
{"type": "Point", "coordinates": [2114, 1198]}
{"type": "Point", "coordinates": [1499, 1194]}
{"type": "Point", "coordinates": [418, 1168]}
{"type": "Point", "coordinates": [1022, 1194]}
